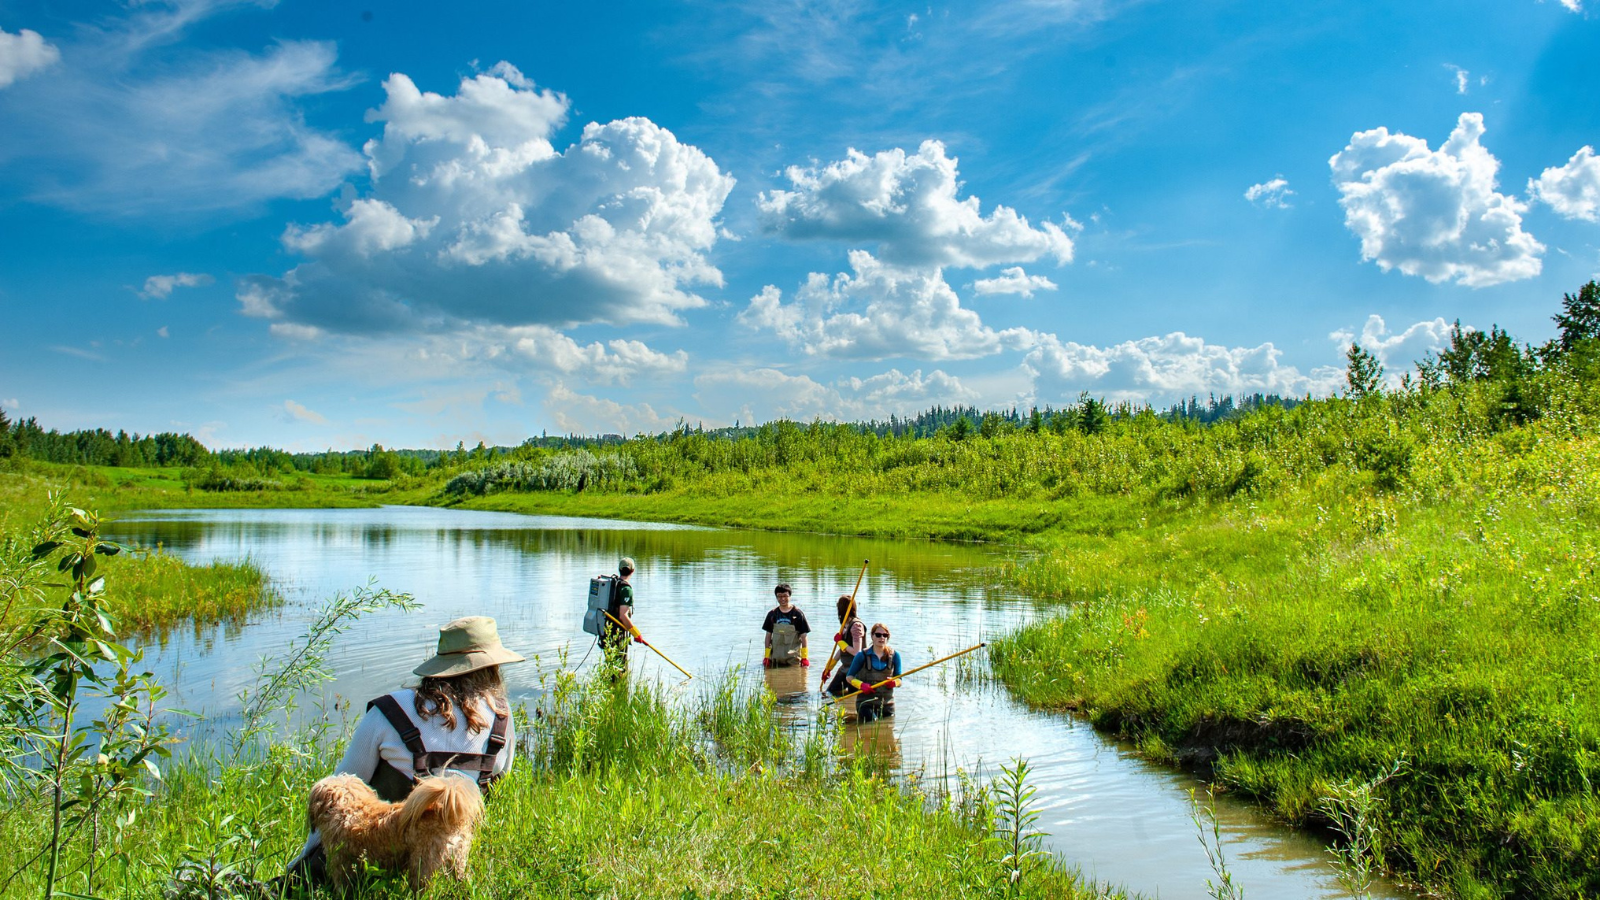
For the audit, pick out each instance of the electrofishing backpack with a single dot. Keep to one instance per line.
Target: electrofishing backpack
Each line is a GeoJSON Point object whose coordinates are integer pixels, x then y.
{"type": "Point", "coordinates": [602, 589]}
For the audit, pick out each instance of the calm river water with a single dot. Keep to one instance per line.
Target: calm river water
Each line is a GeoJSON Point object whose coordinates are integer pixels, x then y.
{"type": "Point", "coordinates": [702, 594]}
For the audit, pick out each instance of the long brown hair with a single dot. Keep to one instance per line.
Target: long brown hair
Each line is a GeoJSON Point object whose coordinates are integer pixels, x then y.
{"type": "Point", "coordinates": [847, 602]}
{"type": "Point", "coordinates": [443, 696]}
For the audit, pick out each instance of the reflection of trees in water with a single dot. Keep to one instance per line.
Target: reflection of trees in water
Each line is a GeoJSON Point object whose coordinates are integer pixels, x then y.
{"type": "Point", "coordinates": [814, 563]}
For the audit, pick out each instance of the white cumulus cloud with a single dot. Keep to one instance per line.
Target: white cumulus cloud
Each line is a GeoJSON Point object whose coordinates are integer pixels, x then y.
{"type": "Point", "coordinates": [23, 54]}
{"type": "Point", "coordinates": [474, 219]}
{"type": "Point", "coordinates": [160, 287]}
{"type": "Point", "coordinates": [1573, 190]}
{"type": "Point", "coordinates": [1434, 213]}
{"type": "Point", "coordinates": [1014, 281]}
{"type": "Point", "coordinates": [577, 413]}
{"type": "Point", "coordinates": [907, 205]}
{"type": "Point", "coordinates": [878, 311]}
{"type": "Point", "coordinates": [617, 361]}
{"type": "Point", "coordinates": [761, 395]}
{"type": "Point", "coordinates": [1274, 194]}
{"type": "Point", "coordinates": [1396, 350]}
{"type": "Point", "coordinates": [1163, 370]}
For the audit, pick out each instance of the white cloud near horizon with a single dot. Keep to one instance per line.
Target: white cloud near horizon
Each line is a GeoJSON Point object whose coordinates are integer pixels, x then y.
{"type": "Point", "coordinates": [903, 312]}
{"type": "Point", "coordinates": [24, 53]}
{"type": "Point", "coordinates": [1272, 194]}
{"type": "Point", "coordinates": [1014, 281]}
{"type": "Point", "coordinates": [160, 287]}
{"type": "Point", "coordinates": [578, 413]}
{"type": "Point", "coordinates": [1572, 190]}
{"type": "Point", "coordinates": [1398, 351]}
{"type": "Point", "coordinates": [131, 124]}
{"type": "Point", "coordinates": [762, 395]}
{"type": "Point", "coordinates": [1165, 369]}
{"type": "Point", "coordinates": [907, 207]}
{"type": "Point", "coordinates": [294, 412]}
{"type": "Point", "coordinates": [474, 219]}
{"type": "Point", "coordinates": [1434, 213]}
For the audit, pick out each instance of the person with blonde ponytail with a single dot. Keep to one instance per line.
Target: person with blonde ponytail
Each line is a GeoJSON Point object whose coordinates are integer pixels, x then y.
{"type": "Point", "coordinates": [878, 663]}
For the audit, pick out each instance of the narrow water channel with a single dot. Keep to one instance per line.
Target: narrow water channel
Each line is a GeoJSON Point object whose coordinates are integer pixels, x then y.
{"type": "Point", "coordinates": [702, 594]}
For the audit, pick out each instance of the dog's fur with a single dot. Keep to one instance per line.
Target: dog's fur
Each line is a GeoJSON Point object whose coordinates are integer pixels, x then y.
{"type": "Point", "coordinates": [431, 830]}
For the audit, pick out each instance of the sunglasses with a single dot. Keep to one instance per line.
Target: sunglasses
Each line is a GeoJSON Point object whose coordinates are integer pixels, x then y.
{"type": "Point", "coordinates": [882, 634]}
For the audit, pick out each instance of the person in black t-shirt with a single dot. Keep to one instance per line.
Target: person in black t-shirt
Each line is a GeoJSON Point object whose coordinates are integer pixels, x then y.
{"type": "Point", "coordinates": [789, 625]}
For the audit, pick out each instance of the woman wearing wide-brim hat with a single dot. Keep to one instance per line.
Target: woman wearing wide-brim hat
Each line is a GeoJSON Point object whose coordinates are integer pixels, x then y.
{"type": "Point", "coordinates": [457, 719]}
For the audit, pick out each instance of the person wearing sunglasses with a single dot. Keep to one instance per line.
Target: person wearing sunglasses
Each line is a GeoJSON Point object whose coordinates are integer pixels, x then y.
{"type": "Point", "coordinates": [878, 665]}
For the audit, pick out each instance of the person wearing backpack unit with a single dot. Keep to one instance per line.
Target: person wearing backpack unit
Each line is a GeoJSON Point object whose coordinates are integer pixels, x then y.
{"type": "Point", "coordinates": [614, 638]}
{"type": "Point", "coordinates": [456, 720]}
{"type": "Point", "coordinates": [786, 630]}
{"type": "Point", "coordinates": [879, 663]}
{"type": "Point", "coordinates": [850, 641]}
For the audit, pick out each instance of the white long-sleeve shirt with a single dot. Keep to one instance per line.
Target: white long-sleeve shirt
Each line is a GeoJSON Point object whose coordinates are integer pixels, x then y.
{"type": "Point", "coordinates": [375, 739]}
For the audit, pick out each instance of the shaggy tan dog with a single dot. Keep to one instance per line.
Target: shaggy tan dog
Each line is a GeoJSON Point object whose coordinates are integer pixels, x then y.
{"type": "Point", "coordinates": [431, 830]}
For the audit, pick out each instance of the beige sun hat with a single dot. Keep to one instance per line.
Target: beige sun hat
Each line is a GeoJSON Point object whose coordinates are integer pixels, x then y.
{"type": "Point", "coordinates": [465, 645]}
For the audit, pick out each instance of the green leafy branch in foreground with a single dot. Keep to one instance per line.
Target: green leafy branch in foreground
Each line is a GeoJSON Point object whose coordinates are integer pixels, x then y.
{"type": "Point", "coordinates": [86, 773]}
{"type": "Point", "coordinates": [304, 666]}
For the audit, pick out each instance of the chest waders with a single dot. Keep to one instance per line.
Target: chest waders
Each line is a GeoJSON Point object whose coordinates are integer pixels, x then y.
{"type": "Point", "coordinates": [393, 785]}
{"type": "Point", "coordinates": [785, 644]}
{"type": "Point", "coordinates": [880, 703]}
{"type": "Point", "coordinates": [840, 685]}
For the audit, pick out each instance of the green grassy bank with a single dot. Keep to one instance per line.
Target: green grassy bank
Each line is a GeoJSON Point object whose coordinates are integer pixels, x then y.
{"type": "Point", "coordinates": [154, 590]}
{"type": "Point", "coordinates": [618, 792]}
{"type": "Point", "coordinates": [1290, 602]}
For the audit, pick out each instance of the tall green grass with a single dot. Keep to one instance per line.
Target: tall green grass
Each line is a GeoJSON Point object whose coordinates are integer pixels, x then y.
{"type": "Point", "coordinates": [154, 590]}
{"type": "Point", "coordinates": [1293, 643]}
{"type": "Point", "coordinates": [621, 790]}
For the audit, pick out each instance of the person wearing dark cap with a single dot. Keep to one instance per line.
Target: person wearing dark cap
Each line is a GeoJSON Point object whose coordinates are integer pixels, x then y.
{"type": "Point", "coordinates": [614, 639]}
{"type": "Point", "coordinates": [786, 630]}
{"type": "Point", "coordinates": [457, 720]}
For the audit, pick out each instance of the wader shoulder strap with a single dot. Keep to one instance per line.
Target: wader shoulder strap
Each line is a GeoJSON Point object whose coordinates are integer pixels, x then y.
{"type": "Point", "coordinates": [424, 761]}
{"type": "Point", "coordinates": [410, 735]}
{"type": "Point", "coordinates": [491, 750]}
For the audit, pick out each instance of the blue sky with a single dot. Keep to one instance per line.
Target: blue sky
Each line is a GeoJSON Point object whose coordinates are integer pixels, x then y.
{"type": "Point", "coordinates": [328, 224]}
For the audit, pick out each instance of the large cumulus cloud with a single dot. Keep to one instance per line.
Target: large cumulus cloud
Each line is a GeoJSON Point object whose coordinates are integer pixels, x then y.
{"type": "Point", "coordinates": [1165, 369]}
{"type": "Point", "coordinates": [762, 395]}
{"type": "Point", "coordinates": [907, 205]}
{"type": "Point", "coordinates": [1434, 213]}
{"type": "Point", "coordinates": [474, 218]}
{"type": "Point", "coordinates": [878, 311]}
